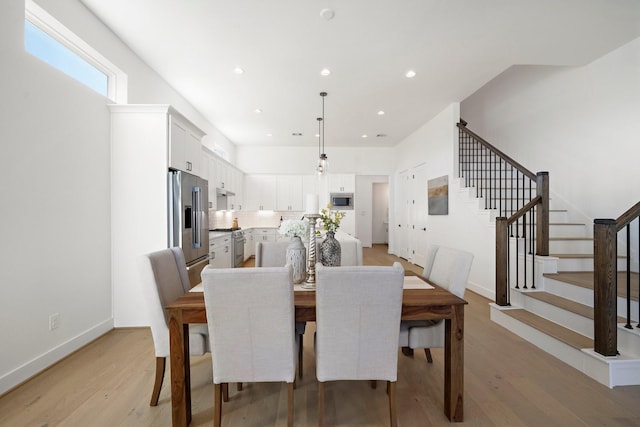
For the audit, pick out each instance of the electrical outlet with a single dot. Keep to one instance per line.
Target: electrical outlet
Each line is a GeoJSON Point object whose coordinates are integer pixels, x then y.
{"type": "Point", "coordinates": [54, 321]}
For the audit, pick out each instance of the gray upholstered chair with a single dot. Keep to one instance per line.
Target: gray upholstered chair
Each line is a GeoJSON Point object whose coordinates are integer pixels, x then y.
{"type": "Point", "coordinates": [250, 315]}
{"type": "Point", "coordinates": [165, 278]}
{"type": "Point", "coordinates": [274, 254]}
{"type": "Point", "coordinates": [448, 268]}
{"type": "Point", "coordinates": [369, 300]}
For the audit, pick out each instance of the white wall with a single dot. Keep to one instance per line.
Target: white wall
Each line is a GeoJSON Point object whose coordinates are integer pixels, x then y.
{"type": "Point", "coordinates": [253, 159]}
{"type": "Point", "coordinates": [585, 117]}
{"type": "Point", "coordinates": [435, 145]}
{"type": "Point", "coordinates": [55, 211]}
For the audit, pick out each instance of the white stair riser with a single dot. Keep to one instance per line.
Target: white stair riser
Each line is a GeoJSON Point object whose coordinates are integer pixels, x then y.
{"type": "Point", "coordinates": [584, 264]}
{"type": "Point", "coordinates": [629, 340]}
{"type": "Point", "coordinates": [571, 246]}
{"type": "Point", "coordinates": [568, 230]}
{"type": "Point", "coordinates": [575, 322]}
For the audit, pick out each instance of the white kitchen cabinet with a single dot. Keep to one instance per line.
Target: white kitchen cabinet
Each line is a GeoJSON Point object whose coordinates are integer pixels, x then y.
{"type": "Point", "coordinates": [289, 193]}
{"type": "Point", "coordinates": [185, 145]}
{"type": "Point", "coordinates": [260, 192]}
{"type": "Point", "coordinates": [220, 251]}
{"type": "Point", "coordinates": [221, 174]}
{"type": "Point", "coordinates": [265, 235]}
{"type": "Point", "coordinates": [310, 185]}
{"type": "Point", "coordinates": [236, 185]}
{"type": "Point", "coordinates": [342, 183]}
{"type": "Point", "coordinates": [249, 244]}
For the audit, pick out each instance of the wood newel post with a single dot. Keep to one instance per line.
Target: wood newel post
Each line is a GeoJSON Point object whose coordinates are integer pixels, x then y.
{"type": "Point", "coordinates": [605, 330]}
{"type": "Point", "coordinates": [502, 261]}
{"type": "Point", "coordinates": [542, 214]}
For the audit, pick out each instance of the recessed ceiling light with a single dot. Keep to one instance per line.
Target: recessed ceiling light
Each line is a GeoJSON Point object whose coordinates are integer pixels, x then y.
{"type": "Point", "coordinates": [410, 74]}
{"type": "Point", "coordinates": [238, 70]}
{"type": "Point", "coordinates": [269, 135]}
{"type": "Point", "coordinates": [257, 111]}
{"type": "Point", "coordinates": [381, 113]}
{"type": "Point", "coordinates": [365, 136]}
{"type": "Point", "coordinates": [325, 72]}
{"type": "Point", "coordinates": [327, 14]}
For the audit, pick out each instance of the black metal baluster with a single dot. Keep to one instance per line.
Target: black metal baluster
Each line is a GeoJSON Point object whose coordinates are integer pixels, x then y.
{"type": "Point", "coordinates": [533, 252]}
{"type": "Point", "coordinates": [524, 249]}
{"type": "Point", "coordinates": [628, 325]}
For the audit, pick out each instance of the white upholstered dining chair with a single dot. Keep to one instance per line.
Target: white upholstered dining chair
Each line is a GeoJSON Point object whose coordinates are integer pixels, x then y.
{"type": "Point", "coordinates": [274, 254]}
{"type": "Point", "coordinates": [448, 268]}
{"type": "Point", "coordinates": [165, 278]}
{"type": "Point", "coordinates": [250, 315]}
{"type": "Point", "coordinates": [358, 312]}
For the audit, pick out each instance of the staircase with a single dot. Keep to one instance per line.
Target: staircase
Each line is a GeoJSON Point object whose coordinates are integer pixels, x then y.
{"type": "Point", "coordinates": [551, 297]}
{"type": "Point", "coordinates": [557, 315]}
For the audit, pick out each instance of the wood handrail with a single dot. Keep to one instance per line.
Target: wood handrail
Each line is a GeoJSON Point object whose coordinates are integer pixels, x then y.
{"type": "Point", "coordinates": [525, 171]}
{"type": "Point", "coordinates": [523, 210]}
{"type": "Point", "coordinates": [628, 216]}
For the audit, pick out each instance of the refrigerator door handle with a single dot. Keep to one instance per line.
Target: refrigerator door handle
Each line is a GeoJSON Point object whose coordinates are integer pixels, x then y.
{"type": "Point", "coordinates": [196, 195]}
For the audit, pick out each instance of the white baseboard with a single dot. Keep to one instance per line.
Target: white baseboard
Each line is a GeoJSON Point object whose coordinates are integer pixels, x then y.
{"type": "Point", "coordinates": [480, 290]}
{"type": "Point", "coordinates": [42, 362]}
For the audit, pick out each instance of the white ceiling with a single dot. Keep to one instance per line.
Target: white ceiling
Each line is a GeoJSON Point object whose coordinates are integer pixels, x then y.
{"type": "Point", "coordinates": [454, 46]}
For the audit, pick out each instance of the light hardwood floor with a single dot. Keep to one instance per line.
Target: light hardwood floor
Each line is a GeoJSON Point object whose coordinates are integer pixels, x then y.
{"type": "Point", "coordinates": [508, 382]}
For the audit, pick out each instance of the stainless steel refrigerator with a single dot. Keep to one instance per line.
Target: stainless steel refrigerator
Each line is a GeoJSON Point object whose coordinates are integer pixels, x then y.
{"type": "Point", "coordinates": [189, 216]}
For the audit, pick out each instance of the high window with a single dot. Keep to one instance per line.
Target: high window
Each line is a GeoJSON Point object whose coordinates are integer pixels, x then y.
{"type": "Point", "coordinates": [53, 43]}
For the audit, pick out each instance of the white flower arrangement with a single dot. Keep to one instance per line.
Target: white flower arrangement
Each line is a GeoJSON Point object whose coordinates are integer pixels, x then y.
{"type": "Point", "coordinates": [294, 227]}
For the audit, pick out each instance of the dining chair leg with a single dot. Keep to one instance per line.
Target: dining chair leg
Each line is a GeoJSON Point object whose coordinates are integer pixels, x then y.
{"type": "Point", "coordinates": [290, 405]}
{"type": "Point", "coordinates": [320, 404]}
{"type": "Point", "coordinates": [300, 356]}
{"type": "Point", "coordinates": [427, 353]}
{"type": "Point", "coordinates": [161, 363]}
{"type": "Point", "coordinates": [407, 351]}
{"type": "Point", "coordinates": [217, 405]}
{"type": "Point", "coordinates": [374, 384]}
{"type": "Point", "coordinates": [239, 386]}
{"type": "Point", "coordinates": [392, 404]}
{"type": "Point", "coordinates": [225, 392]}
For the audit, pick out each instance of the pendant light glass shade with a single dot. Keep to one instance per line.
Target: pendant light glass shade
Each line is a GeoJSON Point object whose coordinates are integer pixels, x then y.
{"type": "Point", "coordinates": [323, 161]}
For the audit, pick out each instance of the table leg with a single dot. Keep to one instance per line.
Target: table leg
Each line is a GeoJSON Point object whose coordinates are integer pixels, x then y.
{"type": "Point", "coordinates": [180, 370]}
{"type": "Point", "coordinates": [454, 364]}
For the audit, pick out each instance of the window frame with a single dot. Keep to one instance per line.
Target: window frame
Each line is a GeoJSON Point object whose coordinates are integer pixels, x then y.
{"type": "Point", "coordinates": [116, 78]}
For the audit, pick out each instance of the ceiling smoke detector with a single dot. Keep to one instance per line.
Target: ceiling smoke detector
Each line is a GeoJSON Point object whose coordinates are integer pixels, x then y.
{"type": "Point", "coordinates": [327, 14]}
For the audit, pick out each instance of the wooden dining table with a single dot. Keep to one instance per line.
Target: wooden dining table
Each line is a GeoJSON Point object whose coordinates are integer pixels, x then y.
{"type": "Point", "coordinates": [417, 304]}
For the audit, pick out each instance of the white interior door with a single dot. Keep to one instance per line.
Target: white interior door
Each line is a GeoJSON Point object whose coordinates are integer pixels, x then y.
{"type": "Point", "coordinates": [402, 214]}
{"type": "Point", "coordinates": [418, 215]}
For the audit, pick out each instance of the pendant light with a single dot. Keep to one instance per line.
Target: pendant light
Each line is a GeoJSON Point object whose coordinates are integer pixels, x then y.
{"type": "Point", "coordinates": [322, 160]}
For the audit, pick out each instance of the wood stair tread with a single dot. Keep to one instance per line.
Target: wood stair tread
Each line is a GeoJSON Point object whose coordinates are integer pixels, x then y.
{"type": "Point", "coordinates": [570, 238]}
{"type": "Point", "coordinates": [565, 304]}
{"type": "Point", "coordinates": [572, 255]}
{"type": "Point", "coordinates": [552, 329]}
{"type": "Point", "coordinates": [561, 302]}
{"type": "Point", "coordinates": [584, 279]}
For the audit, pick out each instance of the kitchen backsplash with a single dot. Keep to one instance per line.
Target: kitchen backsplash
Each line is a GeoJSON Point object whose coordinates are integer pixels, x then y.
{"type": "Point", "coordinates": [223, 219]}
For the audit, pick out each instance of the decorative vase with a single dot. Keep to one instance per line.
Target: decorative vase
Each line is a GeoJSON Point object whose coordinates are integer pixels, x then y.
{"type": "Point", "coordinates": [296, 257]}
{"type": "Point", "coordinates": [330, 251]}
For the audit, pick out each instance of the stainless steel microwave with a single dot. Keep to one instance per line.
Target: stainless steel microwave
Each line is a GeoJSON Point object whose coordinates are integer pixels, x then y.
{"type": "Point", "coordinates": [342, 201]}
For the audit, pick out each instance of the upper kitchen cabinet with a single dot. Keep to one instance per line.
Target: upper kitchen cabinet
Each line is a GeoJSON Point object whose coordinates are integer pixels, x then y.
{"type": "Point", "coordinates": [260, 192]}
{"type": "Point", "coordinates": [221, 174]}
{"type": "Point", "coordinates": [289, 196]}
{"type": "Point", "coordinates": [185, 145]}
{"type": "Point", "coordinates": [342, 183]}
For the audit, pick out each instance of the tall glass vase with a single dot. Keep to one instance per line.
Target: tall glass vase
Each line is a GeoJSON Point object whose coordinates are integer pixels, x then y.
{"type": "Point", "coordinates": [330, 251]}
{"type": "Point", "coordinates": [297, 258]}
